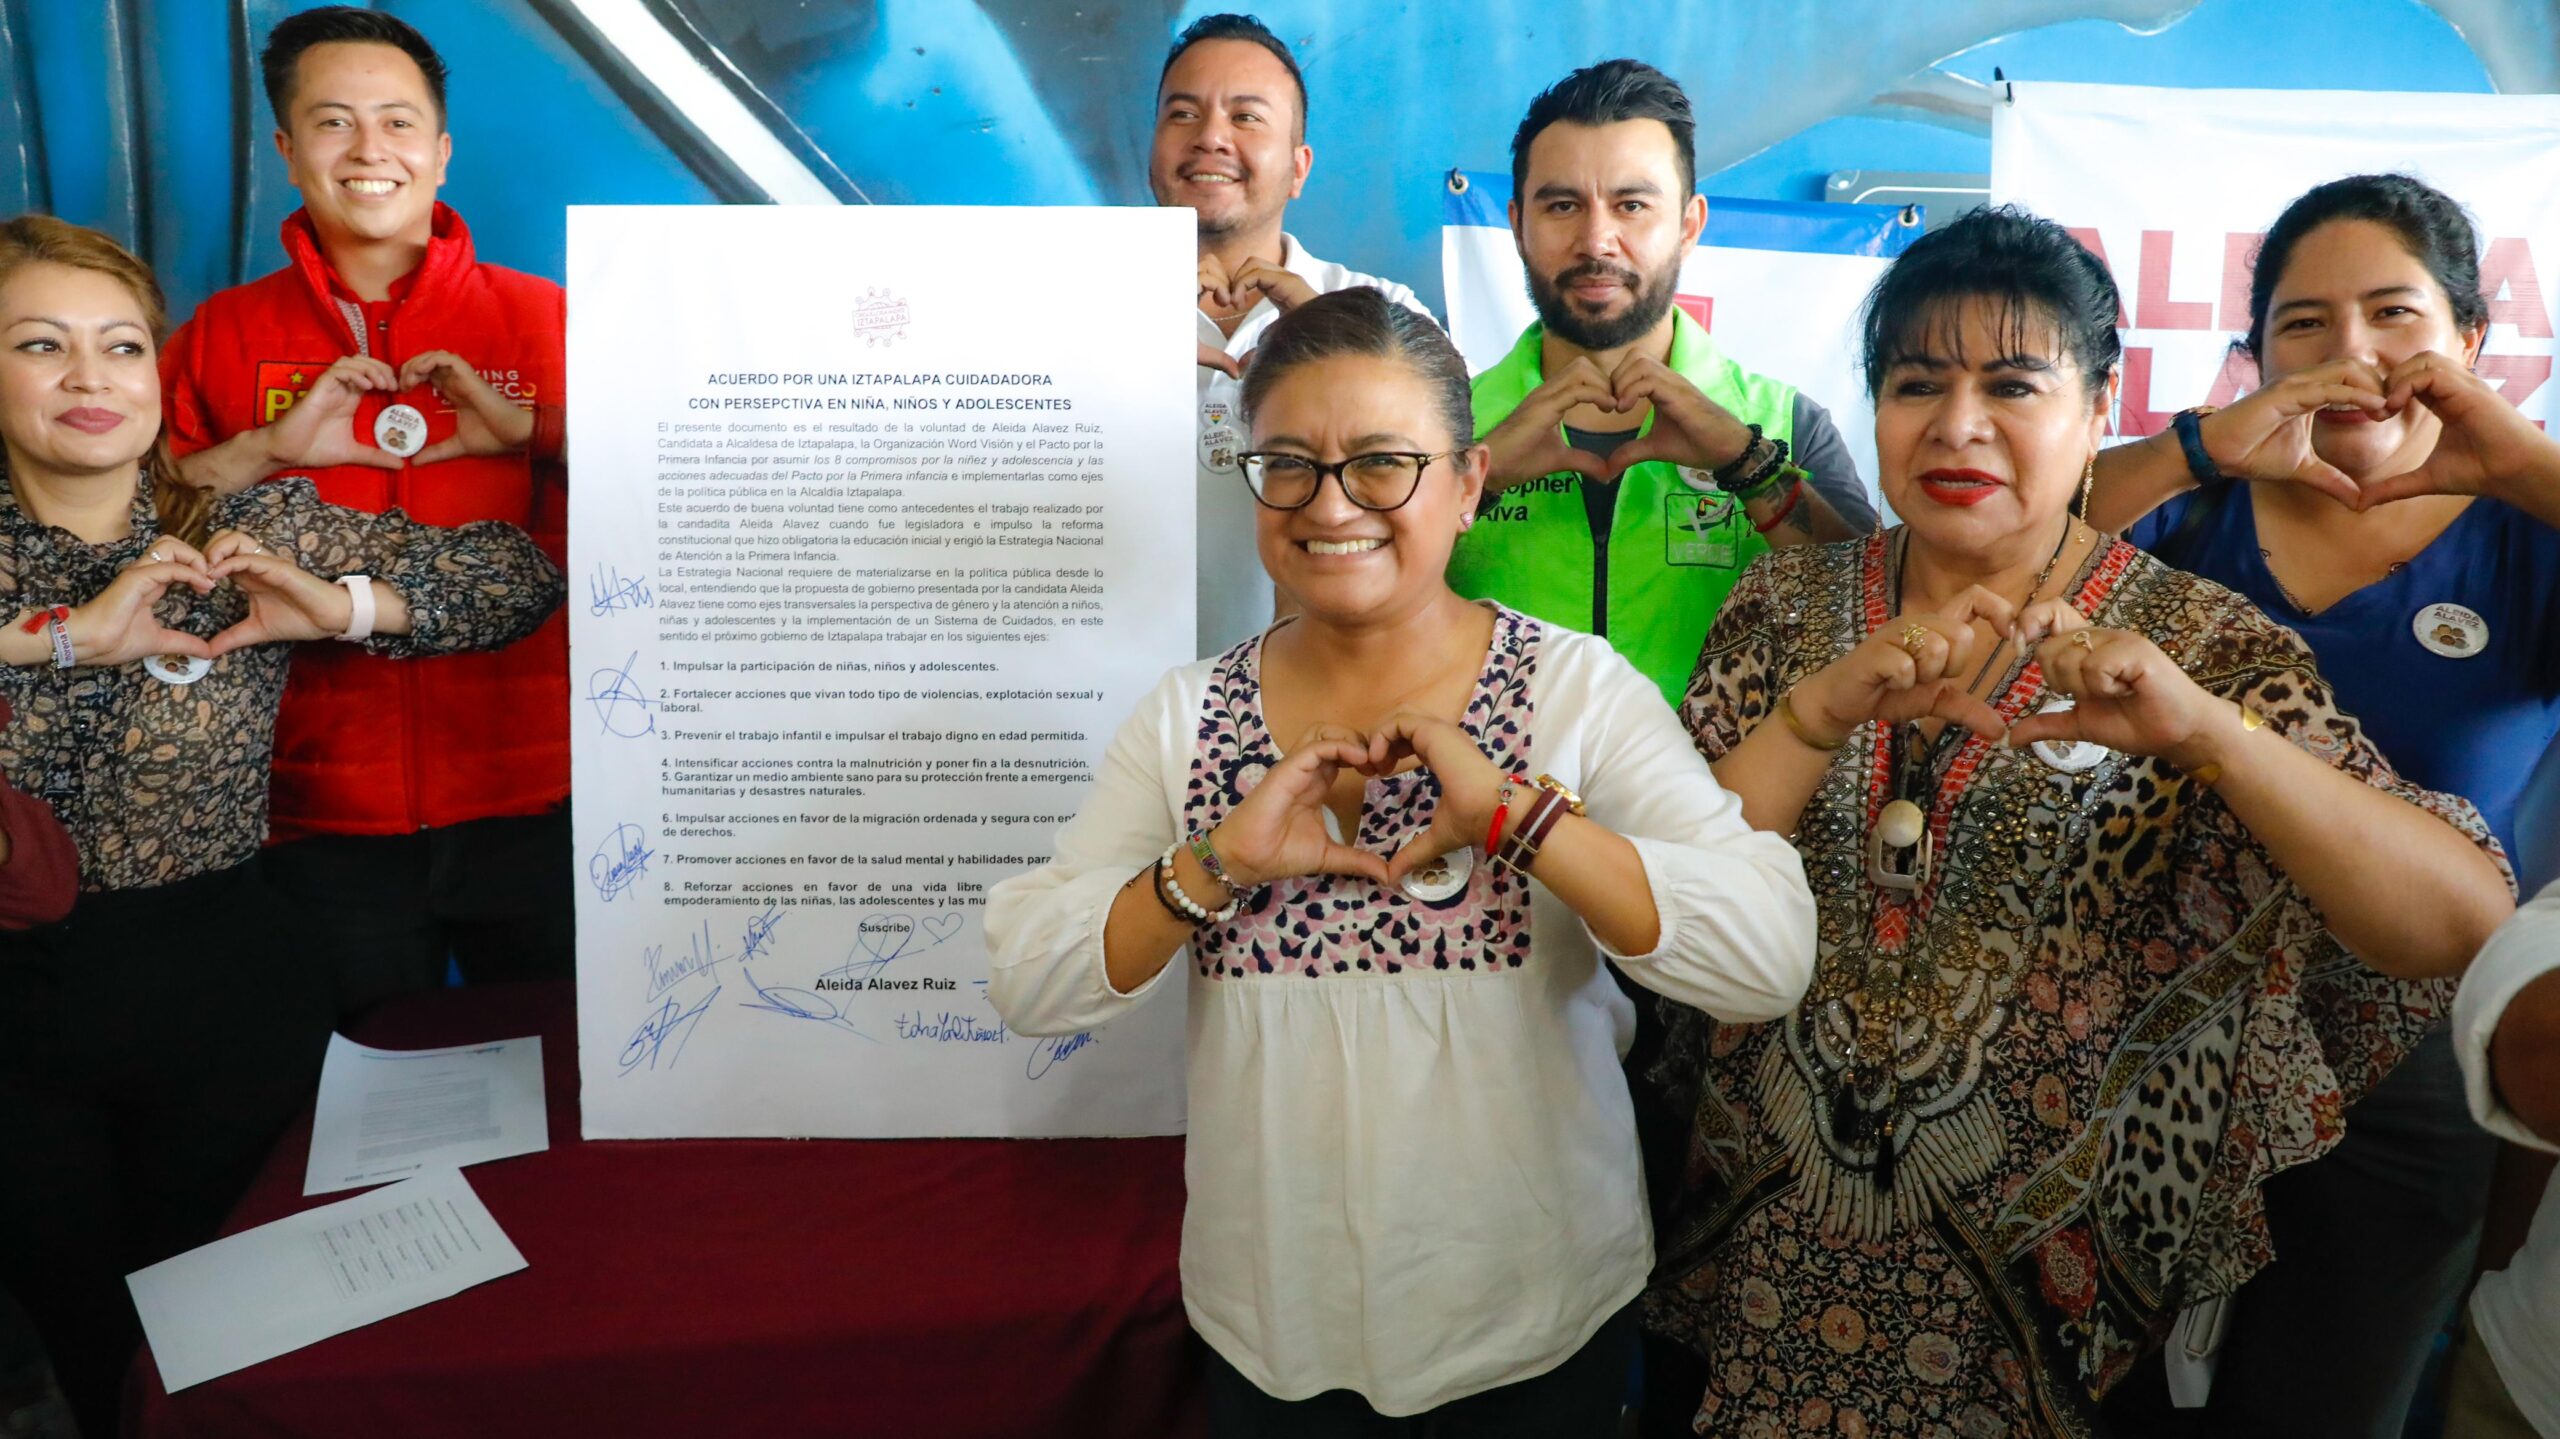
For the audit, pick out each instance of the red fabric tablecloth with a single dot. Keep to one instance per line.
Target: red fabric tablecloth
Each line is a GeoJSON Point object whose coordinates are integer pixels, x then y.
{"type": "Point", "coordinates": [907, 1288]}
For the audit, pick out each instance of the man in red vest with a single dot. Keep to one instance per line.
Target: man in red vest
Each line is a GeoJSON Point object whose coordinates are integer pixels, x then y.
{"type": "Point", "coordinates": [420, 805]}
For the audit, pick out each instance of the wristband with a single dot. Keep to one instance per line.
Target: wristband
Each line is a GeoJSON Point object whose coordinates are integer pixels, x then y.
{"type": "Point", "coordinates": [1191, 908]}
{"type": "Point", "coordinates": [2190, 427]}
{"type": "Point", "coordinates": [1511, 856]}
{"type": "Point", "coordinates": [360, 618]}
{"type": "Point", "coordinates": [1208, 857]}
{"type": "Point", "coordinates": [57, 624]}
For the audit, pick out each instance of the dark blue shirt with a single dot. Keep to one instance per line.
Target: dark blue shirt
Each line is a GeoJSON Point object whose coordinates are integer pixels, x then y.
{"type": "Point", "coordinates": [2475, 725]}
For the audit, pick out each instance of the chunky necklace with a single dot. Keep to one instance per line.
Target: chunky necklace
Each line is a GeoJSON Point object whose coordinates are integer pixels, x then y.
{"type": "Point", "coordinates": [1899, 854]}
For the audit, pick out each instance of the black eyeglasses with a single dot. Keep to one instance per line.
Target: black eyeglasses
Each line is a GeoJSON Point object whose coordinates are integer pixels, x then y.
{"type": "Point", "coordinates": [1381, 481]}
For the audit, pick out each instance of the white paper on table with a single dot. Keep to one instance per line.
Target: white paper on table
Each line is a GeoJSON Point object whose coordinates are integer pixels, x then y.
{"type": "Point", "coordinates": [387, 1114]}
{"type": "Point", "coordinates": [295, 1282]}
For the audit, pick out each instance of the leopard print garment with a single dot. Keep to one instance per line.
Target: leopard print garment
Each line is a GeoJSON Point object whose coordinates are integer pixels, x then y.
{"type": "Point", "coordinates": [2135, 1019]}
{"type": "Point", "coordinates": [158, 782]}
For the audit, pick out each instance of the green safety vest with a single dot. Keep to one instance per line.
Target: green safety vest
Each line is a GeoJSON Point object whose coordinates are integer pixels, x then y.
{"type": "Point", "coordinates": [1672, 552]}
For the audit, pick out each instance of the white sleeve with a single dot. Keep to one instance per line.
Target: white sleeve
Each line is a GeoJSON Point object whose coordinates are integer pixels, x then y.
{"type": "Point", "coordinates": [1737, 938]}
{"type": "Point", "coordinates": [1044, 929]}
{"type": "Point", "coordinates": [2523, 950]}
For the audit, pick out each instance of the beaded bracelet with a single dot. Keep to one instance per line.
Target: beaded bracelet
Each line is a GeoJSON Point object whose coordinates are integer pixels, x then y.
{"type": "Point", "coordinates": [1192, 908]}
{"type": "Point", "coordinates": [1727, 475]}
{"type": "Point", "coordinates": [1763, 476]}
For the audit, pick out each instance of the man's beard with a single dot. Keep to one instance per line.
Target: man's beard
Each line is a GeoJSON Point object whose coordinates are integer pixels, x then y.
{"type": "Point", "coordinates": [1648, 302]}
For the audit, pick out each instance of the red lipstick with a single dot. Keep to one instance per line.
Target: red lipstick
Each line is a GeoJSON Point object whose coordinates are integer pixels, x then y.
{"type": "Point", "coordinates": [1960, 487]}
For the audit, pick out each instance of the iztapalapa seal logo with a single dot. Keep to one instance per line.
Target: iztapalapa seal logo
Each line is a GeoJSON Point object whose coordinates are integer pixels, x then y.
{"type": "Point", "coordinates": [880, 317]}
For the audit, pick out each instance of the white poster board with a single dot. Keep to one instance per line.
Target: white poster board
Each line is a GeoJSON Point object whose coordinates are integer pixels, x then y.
{"type": "Point", "coordinates": [1777, 282]}
{"type": "Point", "coordinates": [883, 522]}
{"type": "Point", "coordinates": [2174, 188]}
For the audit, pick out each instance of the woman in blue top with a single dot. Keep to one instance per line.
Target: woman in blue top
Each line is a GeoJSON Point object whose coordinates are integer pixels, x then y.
{"type": "Point", "coordinates": [2405, 520]}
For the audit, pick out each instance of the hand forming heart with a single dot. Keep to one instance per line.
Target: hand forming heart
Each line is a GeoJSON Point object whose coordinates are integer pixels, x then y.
{"type": "Point", "coordinates": [1278, 832]}
{"type": "Point", "coordinates": [1688, 428]}
{"type": "Point", "coordinates": [286, 602]}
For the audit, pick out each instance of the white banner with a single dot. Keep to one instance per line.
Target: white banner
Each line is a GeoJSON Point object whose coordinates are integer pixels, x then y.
{"type": "Point", "coordinates": [1777, 282]}
{"type": "Point", "coordinates": [869, 562]}
{"type": "Point", "coordinates": [2173, 188]}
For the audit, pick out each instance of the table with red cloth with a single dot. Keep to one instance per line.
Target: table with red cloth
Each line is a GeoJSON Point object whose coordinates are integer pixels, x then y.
{"type": "Point", "coordinates": [922, 1289]}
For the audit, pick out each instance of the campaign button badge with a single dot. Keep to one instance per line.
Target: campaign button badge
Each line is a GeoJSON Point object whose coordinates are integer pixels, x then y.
{"type": "Point", "coordinates": [177, 669]}
{"type": "Point", "coordinates": [2068, 756]}
{"type": "Point", "coordinates": [2453, 631]}
{"type": "Point", "coordinates": [400, 430]}
{"type": "Point", "coordinates": [1219, 445]}
{"type": "Point", "coordinates": [1435, 880]}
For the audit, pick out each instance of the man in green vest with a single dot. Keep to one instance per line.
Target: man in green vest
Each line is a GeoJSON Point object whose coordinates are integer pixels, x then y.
{"type": "Point", "coordinates": [1636, 469]}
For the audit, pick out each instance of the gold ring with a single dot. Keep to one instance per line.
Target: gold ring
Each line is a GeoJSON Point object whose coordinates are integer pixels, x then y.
{"type": "Point", "coordinates": [1913, 637]}
{"type": "Point", "coordinates": [2081, 638]}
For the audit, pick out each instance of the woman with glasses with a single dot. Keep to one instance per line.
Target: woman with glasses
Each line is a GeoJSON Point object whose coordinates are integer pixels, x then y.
{"type": "Point", "coordinates": [1399, 832]}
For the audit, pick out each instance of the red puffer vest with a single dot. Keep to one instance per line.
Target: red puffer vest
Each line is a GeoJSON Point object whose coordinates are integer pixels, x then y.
{"type": "Point", "coordinates": [367, 745]}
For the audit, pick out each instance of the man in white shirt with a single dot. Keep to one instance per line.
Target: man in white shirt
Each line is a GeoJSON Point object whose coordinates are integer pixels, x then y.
{"type": "Point", "coordinates": [2506, 1026]}
{"type": "Point", "coordinates": [1231, 143]}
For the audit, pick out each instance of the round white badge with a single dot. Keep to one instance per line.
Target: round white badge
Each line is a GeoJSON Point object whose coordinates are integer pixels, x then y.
{"type": "Point", "coordinates": [1442, 877]}
{"type": "Point", "coordinates": [2068, 756]}
{"type": "Point", "coordinates": [177, 669]}
{"type": "Point", "coordinates": [400, 430]}
{"type": "Point", "coordinates": [1218, 447]}
{"type": "Point", "coordinates": [2453, 631]}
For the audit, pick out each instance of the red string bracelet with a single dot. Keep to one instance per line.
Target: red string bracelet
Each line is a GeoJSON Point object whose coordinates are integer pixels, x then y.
{"type": "Point", "coordinates": [1795, 493]}
{"type": "Point", "coordinates": [36, 620]}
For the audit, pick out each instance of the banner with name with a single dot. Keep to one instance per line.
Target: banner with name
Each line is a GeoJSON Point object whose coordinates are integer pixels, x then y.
{"type": "Point", "coordinates": [1777, 282]}
{"type": "Point", "coordinates": [2174, 188]}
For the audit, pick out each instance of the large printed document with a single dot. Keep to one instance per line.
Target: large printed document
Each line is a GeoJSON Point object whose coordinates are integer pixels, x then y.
{"type": "Point", "coordinates": [882, 525]}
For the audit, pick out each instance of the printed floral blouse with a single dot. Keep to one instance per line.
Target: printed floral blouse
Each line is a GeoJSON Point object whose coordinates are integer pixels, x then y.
{"type": "Point", "coordinates": [2022, 1116]}
{"type": "Point", "coordinates": [159, 781]}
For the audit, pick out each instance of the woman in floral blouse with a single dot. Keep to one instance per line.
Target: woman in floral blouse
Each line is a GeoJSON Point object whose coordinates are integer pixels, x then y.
{"type": "Point", "coordinates": [2087, 975]}
{"type": "Point", "coordinates": [152, 1045]}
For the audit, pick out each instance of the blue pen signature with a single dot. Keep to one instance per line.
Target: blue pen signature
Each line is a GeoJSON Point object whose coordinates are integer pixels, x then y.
{"type": "Point", "coordinates": [878, 939]}
{"type": "Point", "coordinates": [797, 1004]}
{"type": "Point", "coordinates": [608, 592]}
{"type": "Point", "coordinates": [1049, 1053]}
{"type": "Point", "coordinates": [671, 1021]}
{"type": "Point", "coordinates": [950, 1028]}
{"type": "Point", "coordinates": [700, 957]}
{"type": "Point", "coordinates": [620, 702]}
{"type": "Point", "coordinates": [759, 937]}
{"type": "Point", "coordinates": [620, 861]}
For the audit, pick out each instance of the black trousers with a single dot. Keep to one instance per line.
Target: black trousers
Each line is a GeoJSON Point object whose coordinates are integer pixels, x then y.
{"type": "Point", "coordinates": [152, 1046]}
{"type": "Point", "coordinates": [1578, 1399]}
{"type": "Point", "coordinates": [491, 894]}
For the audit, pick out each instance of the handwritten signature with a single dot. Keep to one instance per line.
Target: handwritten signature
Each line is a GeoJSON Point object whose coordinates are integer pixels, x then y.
{"type": "Point", "coordinates": [794, 1003]}
{"type": "Point", "coordinates": [608, 592]}
{"type": "Point", "coordinates": [619, 862]}
{"type": "Point", "coordinates": [1049, 1053]}
{"type": "Point", "coordinates": [950, 1028]}
{"type": "Point", "coordinates": [671, 1023]}
{"type": "Point", "coordinates": [759, 936]}
{"type": "Point", "coordinates": [622, 706]}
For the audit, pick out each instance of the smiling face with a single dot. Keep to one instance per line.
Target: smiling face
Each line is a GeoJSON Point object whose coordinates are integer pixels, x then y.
{"type": "Point", "coordinates": [1982, 429]}
{"type": "Point", "coordinates": [1602, 224]}
{"type": "Point", "coordinates": [79, 379]}
{"type": "Point", "coordinates": [1228, 140]}
{"type": "Point", "coordinates": [1340, 563]}
{"type": "Point", "coordinates": [2352, 291]}
{"type": "Point", "coordinates": [364, 143]}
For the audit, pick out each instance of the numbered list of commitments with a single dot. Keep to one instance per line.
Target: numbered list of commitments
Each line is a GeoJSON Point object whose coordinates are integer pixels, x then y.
{"type": "Point", "coordinates": [868, 597]}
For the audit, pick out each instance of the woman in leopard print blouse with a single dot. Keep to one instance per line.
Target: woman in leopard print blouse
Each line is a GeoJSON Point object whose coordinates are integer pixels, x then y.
{"type": "Point", "coordinates": [152, 1045]}
{"type": "Point", "coordinates": [2087, 975]}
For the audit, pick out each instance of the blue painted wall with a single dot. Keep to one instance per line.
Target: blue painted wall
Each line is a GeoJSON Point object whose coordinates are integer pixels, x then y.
{"type": "Point", "coordinates": [143, 116]}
